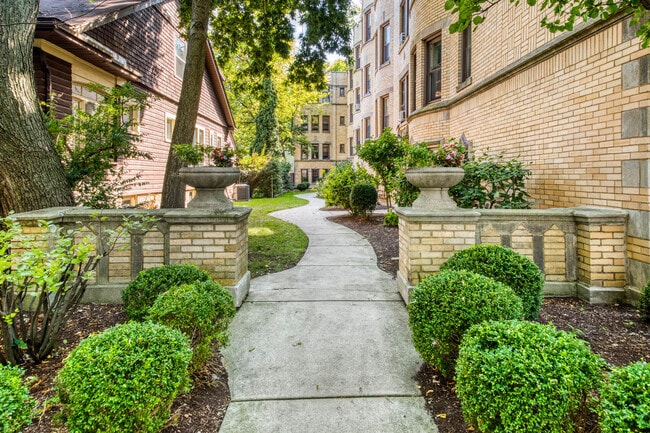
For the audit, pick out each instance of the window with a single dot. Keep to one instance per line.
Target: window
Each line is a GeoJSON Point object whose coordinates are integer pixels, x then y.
{"type": "Point", "coordinates": [180, 50]}
{"type": "Point", "coordinates": [357, 98]}
{"type": "Point", "coordinates": [357, 57]}
{"type": "Point", "coordinates": [219, 143]}
{"type": "Point", "coordinates": [366, 79]}
{"type": "Point", "coordinates": [385, 43]}
{"type": "Point", "coordinates": [314, 123]}
{"type": "Point", "coordinates": [84, 99]}
{"type": "Point", "coordinates": [305, 122]}
{"type": "Point", "coordinates": [342, 147]}
{"type": "Point", "coordinates": [314, 175]}
{"type": "Point", "coordinates": [433, 70]}
{"type": "Point", "coordinates": [170, 121]}
{"type": "Point", "coordinates": [131, 117]}
{"type": "Point", "coordinates": [366, 127]}
{"type": "Point", "coordinates": [304, 151]}
{"type": "Point", "coordinates": [383, 107]}
{"type": "Point", "coordinates": [326, 151]}
{"type": "Point", "coordinates": [211, 138]}
{"type": "Point", "coordinates": [304, 175]}
{"type": "Point", "coordinates": [314, 151]}
{"type": "Point", "coordinates": [199, 136]}
{"type": "Point", "coordinates": [357, 136]}
{"type": "Point", "coordinates": [341, 120]}
{"type": "Point", "coordinates": [351, 146]}
{"type": "Point", "coordinates": [351, 113]}
{"type": "Point", "coordinates": [368, 26]}
{"type": "Point", "coordinates": [350, 78]}
{"type": "Point", "coordinates": [414, 66]}
{"type": "Point", "coordinates": [326, 124]}
{"type": "Point", "coordinates": [341, 91]}
{"type": "Point", "coordinates": [466, 54]}
{"type": "Point", "coordinates": [403, 98]}
{"type": "Point", "coordinates": [403, 20]}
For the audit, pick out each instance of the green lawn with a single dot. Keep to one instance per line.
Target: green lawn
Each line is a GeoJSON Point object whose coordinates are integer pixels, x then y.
{"type": "Point", "coordinates": [273, 245]}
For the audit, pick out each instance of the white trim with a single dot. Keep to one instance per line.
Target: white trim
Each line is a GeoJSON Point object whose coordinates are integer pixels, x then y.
{"type": "Point", "coordinates": [168, 133]}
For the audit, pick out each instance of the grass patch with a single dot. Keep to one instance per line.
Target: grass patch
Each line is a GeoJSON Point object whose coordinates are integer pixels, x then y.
{"type": "Point", "coordinates": [273, 245]}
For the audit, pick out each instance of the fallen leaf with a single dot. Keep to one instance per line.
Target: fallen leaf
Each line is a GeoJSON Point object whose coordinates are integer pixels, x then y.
{"type": "Point", "coordinates": [442, 416]}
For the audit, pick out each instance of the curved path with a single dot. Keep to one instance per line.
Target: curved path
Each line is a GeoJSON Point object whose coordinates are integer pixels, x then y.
{"type": "Point", "coordinates": [324, 346]}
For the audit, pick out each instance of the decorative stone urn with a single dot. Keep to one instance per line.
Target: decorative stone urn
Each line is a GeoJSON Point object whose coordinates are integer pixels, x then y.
{"type": "Point", "coordinates": [209, 183]}
{"type": "Point", "coordinates": [434, 184]}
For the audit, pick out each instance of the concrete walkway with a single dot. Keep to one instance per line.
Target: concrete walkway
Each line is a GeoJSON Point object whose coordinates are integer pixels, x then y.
{"type": "Point", "coordinates": [325, 346]}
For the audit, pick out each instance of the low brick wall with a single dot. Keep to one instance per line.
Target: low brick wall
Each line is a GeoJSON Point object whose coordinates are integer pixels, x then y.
{"type": "Point", "coordinates": [582, 251]}
{"type": "Point", "coordinates": [214, 241]}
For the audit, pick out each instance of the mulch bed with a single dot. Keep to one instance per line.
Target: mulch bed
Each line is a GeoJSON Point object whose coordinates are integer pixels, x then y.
{"type": "Point", "coordinates": [615, 332]}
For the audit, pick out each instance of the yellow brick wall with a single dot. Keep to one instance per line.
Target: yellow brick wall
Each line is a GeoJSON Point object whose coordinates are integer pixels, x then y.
{"type": "Point", "coordinates": [601, 255]}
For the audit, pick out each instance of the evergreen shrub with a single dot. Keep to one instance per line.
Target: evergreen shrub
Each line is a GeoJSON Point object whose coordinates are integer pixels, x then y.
{"type": "Point", "coordinates": [337, 185]}
{"type": "Point", "coordinates": [625, 400]}
{"type": "Point", "coordinates": [517, 376]}
{"type": "Point", "coordinates": [391, 219]}
{"type": "Point", "coordinates": [363, 199]}
{"type": "Point", "coordinates": [444, 306]}
{"type": "Point", "coordinates": [16, 406]}
{"type": "Point", "coordinates": [202, 311]}
{"type": "Point", "coordinates": [506, 266]}
{"type": "Point", "coordinates": [302, 186]}
{"type": "Point", "coordinates": [644, 303]}
{"type": "Point", "coordinates": [140, 294]}
{"type": "Point", "coordinates": [124, 379]}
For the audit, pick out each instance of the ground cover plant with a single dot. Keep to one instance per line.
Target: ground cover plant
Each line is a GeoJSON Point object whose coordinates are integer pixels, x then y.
{"type": "Point", "coordinates": [625, 399]}
{"type": "Point", "coordinates": [16, 405]}
{"type": "Point", "coordinates": [273, 244]}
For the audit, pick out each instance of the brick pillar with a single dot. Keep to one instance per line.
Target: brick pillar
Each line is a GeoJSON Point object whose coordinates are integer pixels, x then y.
{"type": "Point", "coordinates": [601, 255]}
{"type": "Point", "coordinates": [216, 242]}
{"type": "Point", "coordinates": [427, 239]}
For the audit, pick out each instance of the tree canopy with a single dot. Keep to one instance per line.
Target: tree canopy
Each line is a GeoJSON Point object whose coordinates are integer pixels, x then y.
{"type": "Point", "coordinates": [564, 13]}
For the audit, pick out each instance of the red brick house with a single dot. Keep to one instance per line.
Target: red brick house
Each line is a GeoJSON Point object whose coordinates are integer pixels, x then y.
{"type": "Point", "coordinates": [116, 41]}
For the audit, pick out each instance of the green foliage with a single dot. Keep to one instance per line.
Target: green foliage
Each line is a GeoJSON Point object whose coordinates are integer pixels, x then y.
{"type": "Point", "coordinates": [124, 379]}
{"type": "Point", "coordinates": [303, 186]}
{"type": "Point", "coordinates": [267, 139]}
{"type": "Point", "coordinates": [337, 185]}
{"type": "Point", "coordinates": [202, 311]}
{"type": "Point", "coordinates": [644, 303]}
{"type": "Point", "coordinates": [140, 294]}
{"type": "Point", "coordinates": [564, 16]}
{"type": "Point", "coordinates": [89, 144]}
{"type": "Point", "coordinates": [271, 181]}
{"type": "Point", "coordinates": [517, 376]}
{"type": "Point", "coordinates": [363, 199]}
{"type": "Point", "coordinates": [42, 278]}
{"type": "Point", "coordinates": [506, 266]}
{"type": "Point", "coordinates": [453, 153]}
{"type": "Point", "coordinates": [391, 219]}
{"type": "Point", "coordinates": [16, 406]}
{"type": "Point", "coordinates": [625, 400]}
{"type": "Point", "coordinates": [490, 182]}
{"type": "Point", "coordinates": [444, 306]}
{"type": "Point", "coordinates": [192, 154]}
{"type": "Point", "coordinates": [416, 156]}
{"type": "Point", "coordinates": [384, 156]}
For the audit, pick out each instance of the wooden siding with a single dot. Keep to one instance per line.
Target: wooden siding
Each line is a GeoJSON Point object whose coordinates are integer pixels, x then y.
{"type": "Point", "coordinates": [53, 78]}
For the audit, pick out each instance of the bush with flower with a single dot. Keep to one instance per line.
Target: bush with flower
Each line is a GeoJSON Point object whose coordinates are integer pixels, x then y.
{"type": "Point", "coordinates": [223, 157]}
{"type": "Point", "coordinates": [451, 154]}
{"type": "Point", "coordinates": [198, 154]}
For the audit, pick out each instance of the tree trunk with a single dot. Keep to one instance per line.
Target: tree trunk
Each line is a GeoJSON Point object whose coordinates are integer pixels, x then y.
{"type": "Point", "coordinates": [173, 194]}
{"type": "Point", "coordinates": [31, 174]}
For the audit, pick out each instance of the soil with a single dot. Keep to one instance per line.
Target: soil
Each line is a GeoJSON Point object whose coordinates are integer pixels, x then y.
{"type": "Point", "coordinates": [615, 332]}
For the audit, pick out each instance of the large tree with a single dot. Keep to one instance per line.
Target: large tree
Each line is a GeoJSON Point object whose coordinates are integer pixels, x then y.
{"type": "Point", "coordinates": [564, 13]}
{"type": "Point", "coordinates": [31, 174]}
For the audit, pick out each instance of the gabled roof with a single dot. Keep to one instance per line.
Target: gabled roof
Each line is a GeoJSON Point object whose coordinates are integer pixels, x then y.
{"type": "Point", "coordinates": [64, 23]}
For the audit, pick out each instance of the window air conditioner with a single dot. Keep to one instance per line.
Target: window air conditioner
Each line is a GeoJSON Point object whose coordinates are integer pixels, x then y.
{"type": "Point", "coordinates": [402, 37]}
{"type": "Point", "coordinates": [357, 107]}
{"type": "Point", "coordinates": [402, 116]}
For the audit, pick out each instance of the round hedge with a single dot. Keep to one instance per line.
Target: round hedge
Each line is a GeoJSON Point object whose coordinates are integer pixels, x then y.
{"type": "Point", "coordinates": [443, 306]}
{"type": "Point", "coordinates": [517, 376]}
{"type": "Point", "coordinates": [202, 311]}
{"type": "Point", "coordinates": [16, 406]}
{"type": "Point", "coordinates": [363, 199]}
{"type": "Point", "coordinates": [124, 379]}
{"type": "Point", "coordinates": [506, 266]}
{"type": "Point", "coordinates": [141, 293]}
{"type": "Point", "coordinates": [625, 400]}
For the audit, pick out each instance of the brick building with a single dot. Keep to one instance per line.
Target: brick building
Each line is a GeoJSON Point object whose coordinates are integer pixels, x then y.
{"type": "Point", "coordinates": [112, 42]}
{"type": "Point", "coordinates": [574, 104]}
{"type": "Point", "coordinates": [325, 125]}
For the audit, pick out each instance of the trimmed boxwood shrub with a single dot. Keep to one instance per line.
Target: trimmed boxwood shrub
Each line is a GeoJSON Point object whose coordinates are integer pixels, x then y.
{"type": "Point", "coordinates": [16, 406]}
{"type": "Point", "coordinates": [202, 311]}
{"type": "Point", "coordinates": [124, 379]}
{"type": "Point", "coordinates": [506, 266]}
{"type": "Point", "coordinates": [625, 400]}
{"type": "Point", "coordinates": [443, 306]}
{"type": "Point", "coordinates": [141, 293]}
{"type": "Point", "coordinates": [363, 199]}
{"type": "Point", "coordinates": [515, 376]}
{"type": "Point", "coordinates": [644, 303]}
{"type": "Point", "coordinates": [303, 186]}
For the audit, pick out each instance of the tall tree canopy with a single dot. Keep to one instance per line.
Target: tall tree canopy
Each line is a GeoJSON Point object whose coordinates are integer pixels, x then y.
{"type": "Point", "coordinates": [564, 13]}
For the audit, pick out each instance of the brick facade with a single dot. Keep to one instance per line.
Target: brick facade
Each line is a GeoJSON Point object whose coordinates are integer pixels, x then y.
{"type": "Point", "coordinates": [574, 104]}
